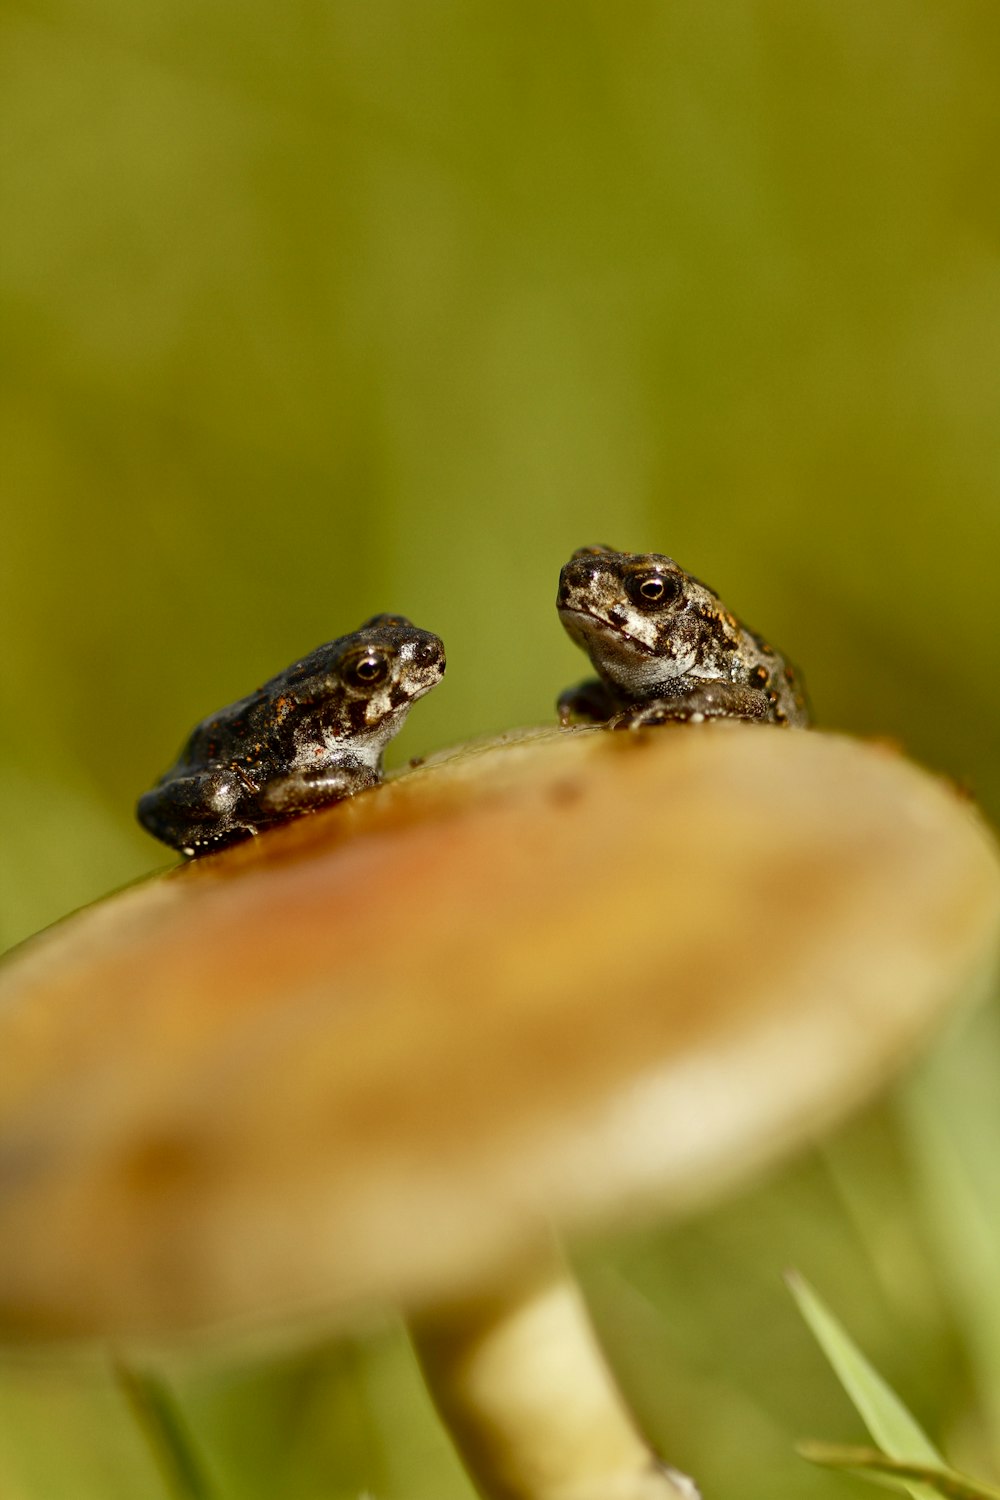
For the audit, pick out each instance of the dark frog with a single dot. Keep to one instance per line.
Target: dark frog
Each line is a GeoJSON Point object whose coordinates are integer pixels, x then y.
{"type": "Point", "coordinates": [665, 647]}
{"type": "Point", "coordinates": [313, 734]}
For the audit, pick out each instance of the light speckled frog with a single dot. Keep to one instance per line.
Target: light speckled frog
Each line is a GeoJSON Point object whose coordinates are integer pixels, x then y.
{"type": "Point", "coordinates": [666, 648]}
{"type": "Point", "coordinates": [312, 735]}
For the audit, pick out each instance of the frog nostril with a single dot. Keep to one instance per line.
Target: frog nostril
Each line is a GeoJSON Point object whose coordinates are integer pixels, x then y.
{"type": "Point", "coordinates": [429, 652]}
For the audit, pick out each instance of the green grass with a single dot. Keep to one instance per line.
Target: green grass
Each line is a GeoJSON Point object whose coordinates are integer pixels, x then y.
{"type": "Point", "coordinates": [906, 1460]}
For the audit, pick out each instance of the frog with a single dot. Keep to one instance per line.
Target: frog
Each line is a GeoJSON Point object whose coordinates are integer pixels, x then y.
{"type": "Point", "coordinates": [312, 735]}
{"type": "Point", "coordinates": [667, 650]}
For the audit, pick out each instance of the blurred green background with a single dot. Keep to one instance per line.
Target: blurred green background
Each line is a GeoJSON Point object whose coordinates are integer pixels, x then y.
{"type": "Point", "coordinates": [319, 309]}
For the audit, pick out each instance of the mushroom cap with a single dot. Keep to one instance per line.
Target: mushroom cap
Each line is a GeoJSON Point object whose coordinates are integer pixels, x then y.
{"type": "Point", "coordinates": [562, 977]}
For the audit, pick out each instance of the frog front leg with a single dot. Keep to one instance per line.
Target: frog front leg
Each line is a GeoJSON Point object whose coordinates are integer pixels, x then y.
{"type": "Point", "coordinates": [307, 787]}
{"type": "Point", "coordinates": [709, 700]}
{"type": "Point", "coordinates": [590, 700]}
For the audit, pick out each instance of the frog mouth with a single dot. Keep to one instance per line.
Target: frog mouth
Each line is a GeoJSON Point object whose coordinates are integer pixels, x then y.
{"type": "Point", "coordinates": [604, 627]}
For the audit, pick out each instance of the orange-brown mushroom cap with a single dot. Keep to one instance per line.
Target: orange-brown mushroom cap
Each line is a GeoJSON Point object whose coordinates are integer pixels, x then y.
{"type": "Point", "coordinates": [374, 1056]}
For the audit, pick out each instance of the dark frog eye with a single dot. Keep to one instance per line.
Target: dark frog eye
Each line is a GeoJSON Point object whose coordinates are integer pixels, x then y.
{"type": "Point", "coordinates": [653, 590]}
{"type": "Point", "coordinates": [367, 670]}
{"type": "Point", "coordinates": [596, 551]}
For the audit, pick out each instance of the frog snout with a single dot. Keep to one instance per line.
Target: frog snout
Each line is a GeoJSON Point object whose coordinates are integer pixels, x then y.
{"type": "Point", "coordinates": [573, 580]}
{"type": "Point", "coordinates": [429, 654]}
{"type": "Point", "coordinates": [578, 578]}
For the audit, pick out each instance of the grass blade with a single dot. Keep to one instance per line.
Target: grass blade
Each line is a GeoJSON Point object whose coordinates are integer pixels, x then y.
{"type": "Point", "coordinates": [157, 1416]}
{"type": "Point", "coordinates": [895, 1431]}
{"type": "Point", "coordinates": [887, 1419]}
{"type": "Point", "coordinates": [869, 1463]}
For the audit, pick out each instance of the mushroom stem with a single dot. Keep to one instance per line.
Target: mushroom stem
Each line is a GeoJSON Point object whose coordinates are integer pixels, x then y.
{"type": "Point", "coordinates": [531, 1403]}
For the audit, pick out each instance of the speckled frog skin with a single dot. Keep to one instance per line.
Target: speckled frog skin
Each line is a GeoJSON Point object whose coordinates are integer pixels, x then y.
{"type": "Point", "coordinates": [313, 734]}
{"type": "Point", "coordinates": [666, 649]}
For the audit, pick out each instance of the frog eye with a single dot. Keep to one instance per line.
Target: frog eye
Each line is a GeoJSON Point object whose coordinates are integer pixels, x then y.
{"type": "Point", "coordinates": [653, 590]}
{"type": "Point", "coordinates": [385, 620]}
{"type": "Point", "coordinates": [597, 551]}
{"type": "Point", "coordinates": [367, 671]}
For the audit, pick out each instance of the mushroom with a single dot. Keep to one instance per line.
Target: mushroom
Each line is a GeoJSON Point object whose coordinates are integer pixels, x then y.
{"type": "Point", "coordinates": [544, 985]}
